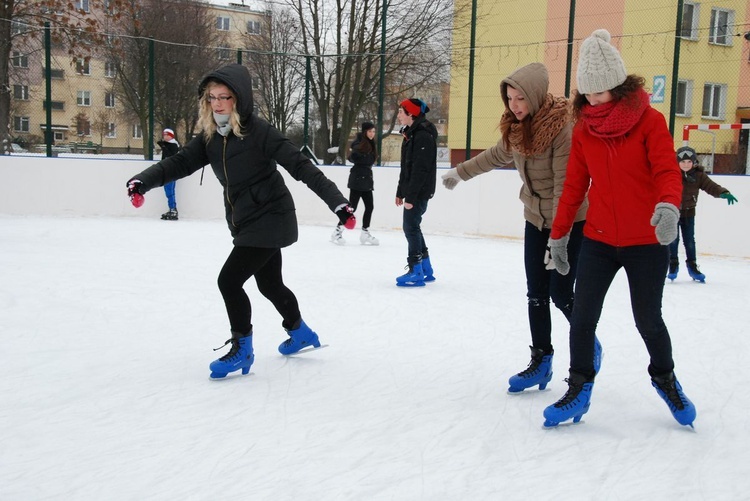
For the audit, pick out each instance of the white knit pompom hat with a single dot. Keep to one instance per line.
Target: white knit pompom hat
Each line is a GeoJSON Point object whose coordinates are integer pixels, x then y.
{"type": "Point", "coordinates": [600, 66]}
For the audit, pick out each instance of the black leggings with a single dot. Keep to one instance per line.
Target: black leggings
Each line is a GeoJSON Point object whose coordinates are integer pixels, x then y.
{"type": "Point", "coordinates": [265, 264]}
{"type": "Point", "coordinates": [366, 196]}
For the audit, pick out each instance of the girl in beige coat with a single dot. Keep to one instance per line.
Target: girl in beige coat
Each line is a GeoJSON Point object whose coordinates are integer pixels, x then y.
{"type": "Point", "coordinates": [536, 130]}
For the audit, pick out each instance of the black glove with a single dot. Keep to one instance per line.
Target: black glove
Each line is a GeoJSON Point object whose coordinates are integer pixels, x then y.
{"type": "Point", "coordinates": [346, 216]}
{"type": "Point", "coordinates": [135, 186]}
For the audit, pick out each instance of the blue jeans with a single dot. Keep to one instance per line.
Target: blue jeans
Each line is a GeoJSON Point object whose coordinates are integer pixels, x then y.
{"type": "Point", "coordinates": [687, 228]}
{"type": "Point", "coordinates": [413, 231]}
{"type": "Point", "coordinates": [543, 284]}
{"type": "Point", "coordinates": [169, 191]}
{"type": "Point", "coordinates": [645, 266]}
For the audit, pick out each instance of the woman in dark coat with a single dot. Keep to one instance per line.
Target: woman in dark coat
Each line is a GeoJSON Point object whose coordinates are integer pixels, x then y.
{"type": "Point", "coordinates": [364, 153]}
{"type": "Point", "coordinates": [243, 150]}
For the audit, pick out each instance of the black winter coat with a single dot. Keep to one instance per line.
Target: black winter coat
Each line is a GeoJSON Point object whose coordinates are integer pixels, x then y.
{"type": "Point", "coordinates": [693, 181]}
{"type": "Point", "coordinates": [259, 207]}
{"type": "Point", "coordinates": [168, 149]}
{"type": "Point", "coordinates": [418, 162]}
{"type": "Point", "coordinates": [360, 175]}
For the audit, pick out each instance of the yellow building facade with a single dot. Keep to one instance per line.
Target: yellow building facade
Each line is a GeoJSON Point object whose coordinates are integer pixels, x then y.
{"type": "Point", "coordinates": [713, 84]}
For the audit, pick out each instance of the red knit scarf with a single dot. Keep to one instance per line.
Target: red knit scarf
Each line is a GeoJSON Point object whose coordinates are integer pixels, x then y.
{"type": "Point", "coordinates": [615, 118]}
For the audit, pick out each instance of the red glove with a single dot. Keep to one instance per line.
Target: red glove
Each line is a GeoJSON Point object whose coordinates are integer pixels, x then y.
{"type": "Point", "coordinates": [134, 192]}
{"type": "Point", "coordinates": [346, 216]}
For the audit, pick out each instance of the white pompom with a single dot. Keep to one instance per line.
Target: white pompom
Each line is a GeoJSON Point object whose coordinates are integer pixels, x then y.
{"type": "Point", "coordinates": [602, 34]}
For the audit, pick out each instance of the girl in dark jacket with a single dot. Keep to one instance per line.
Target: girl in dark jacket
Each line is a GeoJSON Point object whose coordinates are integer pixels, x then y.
{"type": "Point", "coordinates": [243, 150]}
{"type": "Point", "coordinates": [364, 153]}
{"type": "Point", "coordinates": [694, 179]}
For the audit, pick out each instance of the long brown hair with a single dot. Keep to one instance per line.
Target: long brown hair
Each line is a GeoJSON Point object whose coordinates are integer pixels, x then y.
{"type": "Point", "coordinates": [625, 91]}
{"type": "Point", "coordinates": [509, 119]}
{"type": "Point", "coordinates": [367, 145]}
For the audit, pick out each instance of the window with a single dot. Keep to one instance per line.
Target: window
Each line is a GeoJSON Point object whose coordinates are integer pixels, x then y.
{"type": "Point", "coordinates": [690, 16]}
{"type": "Point", "coordinates": [83, 126]}
{"type": "Point", "coordinates": [225, 53]}
{"type": "Point", "coordinates": [21, 124]}
{"type": "Point", "coordinates": [137, 131]}
{"type": "Point", "coordinates": [684, 98]}
{"type": "Point", "coordinates": [59, 136]}
{"type": "Point", "coordinates": [109, 100]}
{"type": "Point", "coordinates": [110, 69]}
{"type": "Point", "coordinates": [720, 31]}
{"type": "Point", "coordinates": [21, 92]}
{"type": "Point", "coordinates": [82, 5]}
{"type": "Point", "coordinates": [57, 74]}
{"type": "Point", "coordinates": [714, 101]}
{"type": "Point", "coordinates": [222, 23]}
{"type": "Point", "coordinates": [84, 98]}
{"type": "Point", "coordinates": [111, 130]}
{"type": "Point", "coordinates": [253, 27]}
{"type": "Point", "coordinates": [19, 60]}
{"type": "Point", "coordinates": [255, 83]}
{"type": "Point", "coordinates": [56, 105]}
{"type": "Point", "coordinates": [17, 28]}
{"type": "Point", "coordinates": [82, 67]}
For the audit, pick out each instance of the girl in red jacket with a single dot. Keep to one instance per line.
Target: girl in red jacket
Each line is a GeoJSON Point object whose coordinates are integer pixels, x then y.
{"type": "Point", "coordinates": [622, 156]}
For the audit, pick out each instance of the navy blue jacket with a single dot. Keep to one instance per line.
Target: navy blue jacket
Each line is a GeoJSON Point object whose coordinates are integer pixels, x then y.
{"type": "Point", "coordinates": [418, 161]}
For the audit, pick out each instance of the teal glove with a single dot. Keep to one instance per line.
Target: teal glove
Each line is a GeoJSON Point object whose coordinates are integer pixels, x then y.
{"type": "Point", "coordinates": [729, 198]}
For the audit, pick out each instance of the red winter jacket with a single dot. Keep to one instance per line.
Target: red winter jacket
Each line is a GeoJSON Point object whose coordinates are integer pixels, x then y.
{"type": "Point", "coordinates": [625, 179]}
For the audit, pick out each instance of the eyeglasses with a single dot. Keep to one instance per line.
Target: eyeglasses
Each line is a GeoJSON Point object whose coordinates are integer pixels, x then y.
{"type": "Point", "coordinates": [211, 99]}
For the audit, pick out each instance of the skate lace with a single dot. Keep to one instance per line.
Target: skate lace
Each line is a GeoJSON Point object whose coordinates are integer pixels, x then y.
{"type": "Point", "coordinates": [531, 370]}
{"type": "Point", "coordinates": [232, 352]}
{"type": "Point", "coordinates": [674, 396]}
{"type": "Point", "coordinates": [573, 391]}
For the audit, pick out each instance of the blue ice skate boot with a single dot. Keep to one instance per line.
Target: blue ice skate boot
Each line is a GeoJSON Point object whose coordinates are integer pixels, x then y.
{"type": "Point", "coordinates": [240, 356]}
{"type": "Point", "coordinates": [539, 372]}
{"type": "Point", "coordinates": [598, 355]}
{"type": "Point", "coordinates": [412, 278]}
{"type": "Point", "coordinates": [574, 404]}
{"type": "Point", "coordinates": [670, 390]}
{"type": "Point", "coordinates": [694, 272]}
{"type": "Point", "coordinates": [674, 268]}
{"type": "Point", "coordinates": [427, 269]}
{"type": "Point", "coordinates": [299, 338]}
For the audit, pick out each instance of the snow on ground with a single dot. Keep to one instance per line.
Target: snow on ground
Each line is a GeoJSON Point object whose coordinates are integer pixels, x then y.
{"type": "Point", "coordinates": [108, 326]}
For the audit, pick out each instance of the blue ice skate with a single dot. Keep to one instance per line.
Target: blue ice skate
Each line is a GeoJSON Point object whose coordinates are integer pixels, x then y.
{"type": "Point", "coordinates": [427, 269]}
{"type": "Point", "coordinates": [240, 356]}
{"type": "Point", "coordinates": [412, 278]}
{"type": "Point", "coordinates": [299, 338]}
{"type": "Point", "coordinates": [539, 372]}
{"type": "Point", "coordinates": [674, 268]}
{"type": "Point", "coordinates": [574, 404]}
{"type": "Point", "coordinates": [598, 355]}
{"type": "Point", "coordinates": [694, 272]}
{"type": "Point", "coordinates": [670, 390]}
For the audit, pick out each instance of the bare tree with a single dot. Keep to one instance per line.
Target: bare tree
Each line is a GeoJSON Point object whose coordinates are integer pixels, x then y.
{"type": "Point", "coordinates": [181, 56]}
{"type": "Point", "coordinates": [279, 72]}
{"type": "Point", "coordinates": [72, 27]}
{"type": "Point", "coordinates": [417, 51]}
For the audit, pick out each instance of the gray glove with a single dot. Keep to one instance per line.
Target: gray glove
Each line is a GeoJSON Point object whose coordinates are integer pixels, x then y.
{"type": "Point", "coordinates": [451, 178]}
{"type": "Point", "coordinates": [558, 255]}
{"type": "Point", "coordinates": [665, 218]}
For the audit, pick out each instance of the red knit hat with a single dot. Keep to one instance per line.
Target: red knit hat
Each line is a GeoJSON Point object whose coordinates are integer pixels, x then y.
{"type": "Point", "coordinates": [414, 107]}
{"type": "Point", "coordinates": [168, 132]}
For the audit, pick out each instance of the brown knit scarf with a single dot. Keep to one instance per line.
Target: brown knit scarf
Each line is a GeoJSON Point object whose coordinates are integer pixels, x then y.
{"type": "Point", "coordinates": [553, 115]}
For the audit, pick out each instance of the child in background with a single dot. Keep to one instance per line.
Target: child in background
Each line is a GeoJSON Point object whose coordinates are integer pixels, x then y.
{"type": "Point", "coordinates": [694, 179]}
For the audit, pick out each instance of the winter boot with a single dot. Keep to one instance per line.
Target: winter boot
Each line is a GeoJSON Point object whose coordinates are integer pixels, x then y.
{"type": "Point", "coordinates": [670, 390]}
{"type": "Point", "coordinates": [170, 215]}
{"type": "Point", "coordinates": [337, 236]}
{"type": "Point", "coordinates": [240, 356]}
{"type": "Point", "coordinates": [427, 268]}
{"type": "Point", "coordinates": [299, 338]}
{"type": "Point", "coordinates": [694, 272]}
{"type": "Point", "coordinates": [674, 268]}
{"type": "Point", "coordinates": [415, 276]}
{"type": "Point", "coordinates": [365, 238]}
{"type": "Point", "coordinates": [539, 372]}
{"type": "Point", "coordinates": [574, 404]}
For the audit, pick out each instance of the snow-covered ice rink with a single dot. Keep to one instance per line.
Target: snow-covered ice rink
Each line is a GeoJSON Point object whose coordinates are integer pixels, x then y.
{"type": "Point", "coordinates": [108, 326]}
